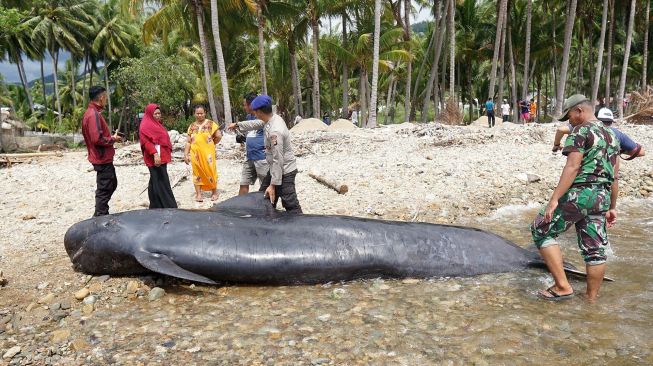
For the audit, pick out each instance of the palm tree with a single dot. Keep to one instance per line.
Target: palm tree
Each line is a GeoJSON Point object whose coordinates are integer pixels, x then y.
{"type": "Point", "coordinates": [14, 41]}
{"type": "Point", "coordinates": [599, 61]}
{"type": "Point", "coordinates": [527, 51]}
{"type": "Point", "coordinates": [645, 58]}
{"type": "Point", "coordinates": [314, 18]}
{"type": "Point", "coordinates": [501, 16]}
{"type": "Point", "coordinates": [114, 39]}
{"type": "Point", "coordinates": [371, 121]}
{"type": "Point", "coordinates": [289, 27]}
{"type": "Point", "coordinates": [452, 49]}
{"type": "Point", "coordinates": [409, 66]}
{"type": "Point", "coordinates": [608, 65]}
{"type": "Point", "coordinates": [562, 81]}
{"type": "Point", "coordinates": [58, 24]}
{"type": "Point", "coordinates": [215, 26]}
{"type": "Point", "coordinates": [260, 5]}
{"type": "Point", "coordinates": [624, 69]}
{"type": "Point", "coordinates": [439, 40]}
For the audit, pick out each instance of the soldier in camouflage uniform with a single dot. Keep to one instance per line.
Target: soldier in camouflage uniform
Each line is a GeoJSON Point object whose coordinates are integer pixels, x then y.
{"type": "Point", "coordinates": [586, 197]}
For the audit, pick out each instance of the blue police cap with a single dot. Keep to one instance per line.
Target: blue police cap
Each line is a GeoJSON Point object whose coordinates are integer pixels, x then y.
{"type": "Point", "coordinates": [261, 101]}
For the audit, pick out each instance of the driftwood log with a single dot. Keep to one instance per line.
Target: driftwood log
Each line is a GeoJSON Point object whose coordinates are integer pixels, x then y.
{"type": "Point", "coordinates": [330, 182]}
{"type": "Point", "coordinates": [30, 155]}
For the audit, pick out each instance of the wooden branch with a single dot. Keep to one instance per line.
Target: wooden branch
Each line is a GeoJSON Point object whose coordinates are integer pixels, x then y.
{"type": "Point", "coordinates": [331, 183]}
{"type": "Point", "coordinates": [30, 155]}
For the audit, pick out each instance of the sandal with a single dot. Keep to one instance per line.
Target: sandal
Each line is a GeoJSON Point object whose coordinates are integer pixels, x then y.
{"type": "Point", "coordinates": [554, 295]}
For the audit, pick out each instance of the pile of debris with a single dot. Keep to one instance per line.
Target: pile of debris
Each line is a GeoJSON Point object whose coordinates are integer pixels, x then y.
{"type": "Point", "coordinates": [643, 104]}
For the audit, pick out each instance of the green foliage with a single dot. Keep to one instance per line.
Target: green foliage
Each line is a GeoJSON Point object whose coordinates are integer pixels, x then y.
{"type": "Point", "coordinates": [180, 124]}
{"type": "Point", "coordinates": [156, 78]}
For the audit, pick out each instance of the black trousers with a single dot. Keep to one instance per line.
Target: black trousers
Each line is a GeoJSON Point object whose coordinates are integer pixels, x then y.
{"type": "Point", "coordinates": [490, 119]}
{"type": "Point", "coordinates": [107, 182]}
{"type": "Point", "coordinates": [286, 191]}
{"type": "Point", "coordinates": [159, 190]}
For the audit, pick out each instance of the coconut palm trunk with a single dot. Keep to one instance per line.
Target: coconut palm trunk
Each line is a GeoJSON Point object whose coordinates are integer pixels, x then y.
{"type": "Point", "coordinates": [452, 49]}
{"type": "Point", "coordinates": [645, 52]}
{"type": "Point", "coordinates": [73, 85]}
{"type": "Point", "coordinates": [562, 81]}
{"type": "Point", "coordinates": [84, 78]}
{"type": "Point", "coordinates": [608, 62]}
{"type": "Point", "coordinates": [294, 74]}
{"type": "Point", "coordinates": [433, 76]}
{"type": "Point", "coordinates": [513, 78]}
{"type": "Point", "coordinates": [215, 27]}
{"type": "Point", "coordinates": [502, 64]}
{"type": "Point", "coordinates": [45, 99]}
{"type": "Point", "coordinates": [409, 66]}
{"type": "Point", "coordinates": [316, 71]}
{"type": "Point", "coordinates": [420, 73]}
{"type": "Point", "coordinates": [24, 82]}
{"type": "Point", "coordinates": [527, 51]}
{"type": "Point", "coordinates": [199, 14]}
{"type": "Point", "coordinates": [624, 67]}
{"type": "Point", "coordinates": [55, 59]}
{"type": "Point", "coordinates": [599, 58]}
{"type": "Point", "coordinates": [371, 121]}
{"type": "Point", "coordinates": [345, 70]}
{"type": "Point", "coordinates": [106, 86]}
{"type": "Point", "coordinates": [497, 45]}
{"type": "Point", "coordinates": [261, 43]}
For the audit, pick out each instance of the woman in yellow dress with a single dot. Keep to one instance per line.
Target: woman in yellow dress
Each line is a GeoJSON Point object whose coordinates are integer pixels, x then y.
{"type": "Point", "coordinates": [203, 135]}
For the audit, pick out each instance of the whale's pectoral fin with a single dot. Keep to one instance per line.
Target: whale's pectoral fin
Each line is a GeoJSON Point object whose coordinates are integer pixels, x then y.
{"type": "Point", "coordinates": [161, 263]}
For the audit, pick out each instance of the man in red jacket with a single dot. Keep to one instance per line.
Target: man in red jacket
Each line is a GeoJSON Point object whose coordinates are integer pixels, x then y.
{"type": "Point", "coordinates": [99, 143]}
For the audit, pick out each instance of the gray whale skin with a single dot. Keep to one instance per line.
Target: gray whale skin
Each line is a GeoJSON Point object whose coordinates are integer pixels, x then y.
{"type": "Point", "coordinates": [244, 240]}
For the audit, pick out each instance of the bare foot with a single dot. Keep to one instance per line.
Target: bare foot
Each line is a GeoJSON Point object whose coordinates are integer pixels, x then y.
{"type": "Point", "coordinates": [214, 197]}
{"type": "Point", "coordinates": [199, 199]}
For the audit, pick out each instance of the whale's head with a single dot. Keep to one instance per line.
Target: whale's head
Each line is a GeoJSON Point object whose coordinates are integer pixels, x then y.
{"type": "Point", "coordinates": [99, 245]}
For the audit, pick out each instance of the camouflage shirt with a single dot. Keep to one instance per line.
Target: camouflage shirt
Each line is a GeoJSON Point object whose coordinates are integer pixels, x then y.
{"type": "Point", "coordinates": [600, 149]}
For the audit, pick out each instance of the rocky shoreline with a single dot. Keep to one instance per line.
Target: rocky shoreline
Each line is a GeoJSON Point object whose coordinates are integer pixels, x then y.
{"type": "Point", "coordinates": [50, 315]}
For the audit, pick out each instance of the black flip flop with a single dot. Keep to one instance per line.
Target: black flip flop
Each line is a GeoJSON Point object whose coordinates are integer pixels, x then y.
{"type": "Point", "coordinates": [554, 295]}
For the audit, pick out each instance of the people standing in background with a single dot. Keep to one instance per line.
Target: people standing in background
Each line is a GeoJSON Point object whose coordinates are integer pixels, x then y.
{"type": "Point", "coordinates": [99, 143]}
{"type": "Point", "coordinates": [255, 166]}
{"type": "Point", "coordinates": [505, 111]}
{"type": "Point", "coordinates": [203, 135]}
{"type": "Point", "coordinates": [489, 110]}
{"type": "Point", "coordinates": [157, 153]}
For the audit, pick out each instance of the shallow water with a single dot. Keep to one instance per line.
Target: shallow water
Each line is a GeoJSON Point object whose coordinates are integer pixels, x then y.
{"type": "Point", "coordinates": [490, 319]}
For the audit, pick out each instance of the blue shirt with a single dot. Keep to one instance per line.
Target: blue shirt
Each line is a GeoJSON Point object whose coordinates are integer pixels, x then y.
{"type": "Point", "coordinates": [489, 106]}
{"type": "Point", "coordinates": [625, 142]}
{"type": "Point", "coordinates": [254, 143]}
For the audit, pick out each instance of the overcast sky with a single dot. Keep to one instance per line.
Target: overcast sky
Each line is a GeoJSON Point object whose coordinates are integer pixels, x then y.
{"type": "Point", "coordinates": [33, 68]}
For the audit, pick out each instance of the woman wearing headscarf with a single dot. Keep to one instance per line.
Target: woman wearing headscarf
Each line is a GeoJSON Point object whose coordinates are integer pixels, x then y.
{"type": "Point", "coordinates": [157, 153]}
{"type": "Point", "coordinates": [203, 135]}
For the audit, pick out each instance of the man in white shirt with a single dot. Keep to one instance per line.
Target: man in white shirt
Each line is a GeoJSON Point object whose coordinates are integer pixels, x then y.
{"type": "Point", "coordinates": [505, 111]}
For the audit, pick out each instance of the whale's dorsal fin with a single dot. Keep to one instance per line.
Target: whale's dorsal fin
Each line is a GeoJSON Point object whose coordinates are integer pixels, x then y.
{"type": "Point", "coordinates": [254, 204]}
{"type": "Point", "coordinates": [161, 263]}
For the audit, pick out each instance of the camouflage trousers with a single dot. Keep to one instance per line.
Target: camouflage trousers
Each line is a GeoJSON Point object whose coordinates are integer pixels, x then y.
{"type": "Point", "coordinates": [584, 207]}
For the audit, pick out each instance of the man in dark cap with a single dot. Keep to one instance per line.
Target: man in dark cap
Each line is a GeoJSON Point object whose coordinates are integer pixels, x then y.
{"type": "Point", "coordinates": [280, 180]}
{"type": "Point", "coordinates": [586, 196]}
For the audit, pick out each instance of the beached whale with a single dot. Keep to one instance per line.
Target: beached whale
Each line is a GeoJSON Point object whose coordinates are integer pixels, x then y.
{"type": "Point", "coordinates": [244, 240]}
